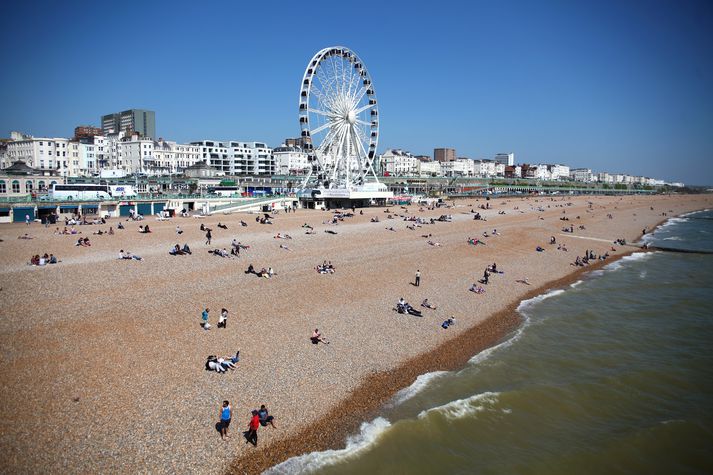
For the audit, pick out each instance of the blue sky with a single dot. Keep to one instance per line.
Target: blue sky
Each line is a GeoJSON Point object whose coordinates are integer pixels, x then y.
{"type": "Point", "coordinates": [619, 86]}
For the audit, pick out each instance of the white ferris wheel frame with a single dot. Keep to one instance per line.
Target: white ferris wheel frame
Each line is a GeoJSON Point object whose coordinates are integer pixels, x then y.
{"type": "Point", "coordinates": [341, 99]}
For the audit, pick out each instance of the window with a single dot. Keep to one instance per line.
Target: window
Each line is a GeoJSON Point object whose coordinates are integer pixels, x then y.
{"type": "Point", "coordinates": [41, 185]}
{"type": "Point", "coordinates": [15, 186]}
{"type": "Point", "coordinates": [3, 188]}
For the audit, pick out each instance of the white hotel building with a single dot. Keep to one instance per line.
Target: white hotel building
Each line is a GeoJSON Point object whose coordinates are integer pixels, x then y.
{"type": "Point", "coordinates": [290, 160]}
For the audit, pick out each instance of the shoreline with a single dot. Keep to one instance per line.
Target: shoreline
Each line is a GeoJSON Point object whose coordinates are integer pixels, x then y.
{"type": "Point", "coordinates": [366, 400]}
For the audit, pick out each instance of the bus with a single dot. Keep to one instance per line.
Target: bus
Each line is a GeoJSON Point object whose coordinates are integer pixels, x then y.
{"type": "Point", "coordinates": [225, 191]}
{"type": "Point", "coordinates": [122, 191]}
{"type": "Point", "coordinates": [79, 191]}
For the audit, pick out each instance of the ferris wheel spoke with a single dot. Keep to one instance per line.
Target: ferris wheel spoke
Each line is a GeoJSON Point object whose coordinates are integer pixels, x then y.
{"type": "Point", "coordinates": [320, 128]}
{"type": "Point", "coordinates": [324, 113]}
{"type": "Point", "coordinates": [363, 108]}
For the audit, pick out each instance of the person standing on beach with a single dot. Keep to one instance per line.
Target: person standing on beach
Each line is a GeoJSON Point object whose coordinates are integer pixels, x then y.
{"type": "Point", "coordinates": [418, 277]}
{"type": "Point", "coordinates": [204, 317]}
{"type": "Point", "coordinates": [223, 320]}
{"type": "Point", "coordinates": [226, 413]}
{"type": "Point", "coordinates": [253, 426]}
{"type": "Point", "coordinates": [208, 237]}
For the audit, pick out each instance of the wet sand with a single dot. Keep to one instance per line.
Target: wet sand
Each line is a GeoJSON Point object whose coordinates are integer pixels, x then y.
{"type": "Point", "coordinates": [102, 364]}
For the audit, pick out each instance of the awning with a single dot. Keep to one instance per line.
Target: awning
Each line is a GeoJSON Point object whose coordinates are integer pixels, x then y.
{"type": "Point", "coordinates": [67, 207]}
{"type": "Point", "coordinates": [46, 207]}
{"type": "Point", "coordinates": [90, 206]}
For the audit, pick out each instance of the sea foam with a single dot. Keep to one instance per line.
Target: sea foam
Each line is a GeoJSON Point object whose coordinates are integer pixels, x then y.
{"type": "Point", "coordinates": [369, 434]}
{"type": "Point", "coordinates": [461, 408]}
{"type": "Point", "coordinates": [421, 383]}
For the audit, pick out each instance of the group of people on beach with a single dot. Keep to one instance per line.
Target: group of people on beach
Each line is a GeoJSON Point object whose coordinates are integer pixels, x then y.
{"type": "Point", "coordinates": [45, 259]}
{"type": "Point", "coordinates": [222, 320]}
{"type": "Point", "coordinates": [258, 417]}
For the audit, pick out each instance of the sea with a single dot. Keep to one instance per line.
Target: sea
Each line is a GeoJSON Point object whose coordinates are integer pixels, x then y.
{"type": "Point", "coordinates": [612, 374]}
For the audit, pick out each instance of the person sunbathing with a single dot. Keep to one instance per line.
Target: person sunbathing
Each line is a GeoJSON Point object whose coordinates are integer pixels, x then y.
{"type": "Point", "coordinates": [447, 323]}
{"type": "Point", "coordinates": [404, 307]}
{"type": "Point", "coordinates": [433, 243]}
{"type": "Point", "coordinates": [477, 289]}
{"type": "Point", "coordinates": [428, 304]}
{"type": "Point", "coordinates": [222, 226]}
{"type": "Point", "coordinates": [212, 364]}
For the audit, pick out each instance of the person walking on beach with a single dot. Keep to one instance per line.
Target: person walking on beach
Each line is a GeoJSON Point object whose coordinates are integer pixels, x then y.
{"type": "Point", "coordinates": [208, 237]}
{"type": "Point", "coordinates": [253, 425]}
{"type": "Point", "coordinates": [418, 278]}
{"type": "Point", "coordinates": [226, 413]}
{"type": "Point", "coordinates": [204, 317]}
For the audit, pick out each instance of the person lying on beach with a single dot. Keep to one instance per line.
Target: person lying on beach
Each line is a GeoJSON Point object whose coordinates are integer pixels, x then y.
{"type": "Point", "coordinates": [305, 225]}
{"type": "Point", "coordinates": [390, 229]}
{"type": "Point", "coordinates": [447, 323]}
{"type": "Point", "coordinates": [433, 243]}
{"type": "Point", "coordinates": [226, 362]}
{"type": "Point", "coordinates": [128, 256]}
{"type": "Point", "coordinates": [25, 236]}
{"type": "Point", "coordinates": [428, 304]}
{"type": "Point", "coordinates": [212, 364]}
{"type": "Point", "coordinates": [495, 232]}
{"type": "Point", "coordinates": [317, 337]}
{"type": "Point", "coordinates": [186, 249]}
{"type": "Point", "coordinates": [176, 251]}
{"type": "Point", "coordinates": [220, 253]}
{"type": "Point", "coordinates": [540, 249]}
{"type": "Point", "coordinates": [426, 235]}
{"type": "Point", "coordinates": [243, 223]}
{"type": "Point", "coordinates": [310, 231]}
{"type": "Point", "coordinates": [222, 226]}
{"type": "Point", "coordinates": [523, 281]}
{"type": "Point", "coordinates": [403, 307]}
{"type": "Point", "coordinates": [375, 219]}
{"type": "Point", "coordinates": [282, 246]}
{"type": "Point", "coordinates": [477, 289]}
{"type": "Point", "coordinates": [329, 231]}
{"type": "Point", "coordinates": [251, 270]}
{"type": "Point", "coordinates": [561, 247]}
{"type": "Point", "coordinates": [282, 236]}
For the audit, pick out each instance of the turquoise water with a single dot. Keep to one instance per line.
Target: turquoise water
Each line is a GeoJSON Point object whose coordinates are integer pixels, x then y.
{"type": "Point", "coordinates": [613, 374]}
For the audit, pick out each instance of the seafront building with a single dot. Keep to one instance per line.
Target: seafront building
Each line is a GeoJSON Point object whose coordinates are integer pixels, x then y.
{"type": "Point", "coordinates": [291, 160]}
{"type": "Point", "coordinates": [128, 152]}
{"type": "Point", "coordinates": [237, 158]}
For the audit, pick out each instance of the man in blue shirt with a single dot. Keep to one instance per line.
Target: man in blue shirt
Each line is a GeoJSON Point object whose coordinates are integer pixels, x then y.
{"type": "Point", "coordinates": [205, 319]}
{"type": "Point", "coordinates": [226, 413]}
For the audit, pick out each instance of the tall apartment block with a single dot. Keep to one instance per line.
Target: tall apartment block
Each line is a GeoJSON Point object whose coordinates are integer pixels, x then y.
{"type": "Point", "coordinates": [507, 159]}
{"type": "Point", "coordinates": [140, 121]}
{"type": "Point", "coordinates": [444, 154]}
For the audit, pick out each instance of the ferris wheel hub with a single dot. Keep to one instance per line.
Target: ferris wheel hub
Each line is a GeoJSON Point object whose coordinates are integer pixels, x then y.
{"type": "Point", "coordinates": [351, 117]}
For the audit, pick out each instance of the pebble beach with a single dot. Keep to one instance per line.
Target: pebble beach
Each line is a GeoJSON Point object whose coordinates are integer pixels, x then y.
{"type": "Point", "coordinates": [102, 363]}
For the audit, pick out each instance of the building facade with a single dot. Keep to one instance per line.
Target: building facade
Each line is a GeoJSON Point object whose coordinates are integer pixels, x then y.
{"type": "Point", "coordinates": [507, 159]}
{"type": "Point", "coordinates": [290, 160]}
{"type": "Point", "coordinates": [397, 162]}
{"type": "Point", "coordinates": [140, 121]}
{"type": "Point", "coordinates": [444, 154]}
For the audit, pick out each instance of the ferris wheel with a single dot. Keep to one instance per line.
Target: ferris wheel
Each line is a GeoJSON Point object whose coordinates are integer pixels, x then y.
{"type": "Point", "coordinates": [339, 119]}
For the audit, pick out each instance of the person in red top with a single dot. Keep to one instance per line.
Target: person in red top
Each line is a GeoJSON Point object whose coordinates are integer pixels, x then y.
{"type": "Point", "coordinates": [254, 424]}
